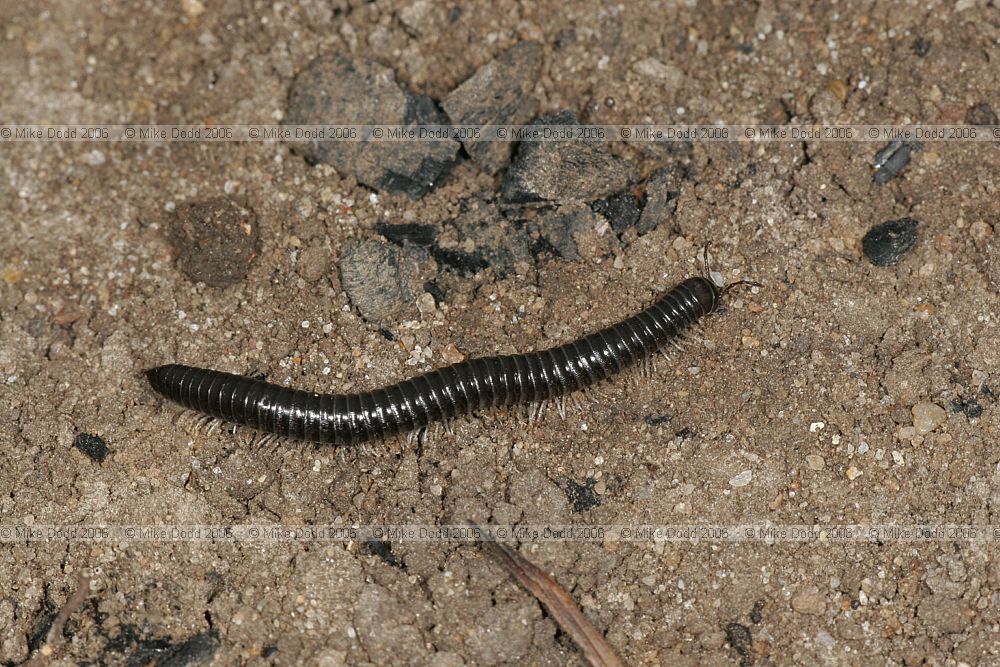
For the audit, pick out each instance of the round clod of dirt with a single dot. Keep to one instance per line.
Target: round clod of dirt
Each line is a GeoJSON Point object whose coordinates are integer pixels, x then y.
{"type": "Point", "coordinates": [886, 243]}
{"type": "Point", "coordinates": [215, 241]}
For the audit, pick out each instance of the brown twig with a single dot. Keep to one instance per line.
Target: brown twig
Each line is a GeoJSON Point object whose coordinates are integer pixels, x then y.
{"type": "Point", "coordinates": [559, 604]}
{"type": "Point", "coordinates": [54, 637]}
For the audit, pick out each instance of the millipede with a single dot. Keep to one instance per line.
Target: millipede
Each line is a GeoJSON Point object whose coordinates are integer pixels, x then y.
{"type": "Point", "coordinates": [447, 392]}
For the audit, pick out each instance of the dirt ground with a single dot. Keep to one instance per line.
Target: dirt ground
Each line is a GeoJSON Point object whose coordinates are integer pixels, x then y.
{"type": "Point", "coordinates": [809, 384]}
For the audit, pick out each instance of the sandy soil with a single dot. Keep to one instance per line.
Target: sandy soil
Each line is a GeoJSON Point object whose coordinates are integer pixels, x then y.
{"type": "Point", "coordinates": [90, 296]}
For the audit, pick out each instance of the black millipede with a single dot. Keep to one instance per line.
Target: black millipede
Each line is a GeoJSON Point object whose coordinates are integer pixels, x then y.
{"type": "Point", "coordinates": [447, 392]}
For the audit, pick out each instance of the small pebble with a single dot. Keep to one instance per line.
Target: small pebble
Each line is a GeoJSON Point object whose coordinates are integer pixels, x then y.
{"type": "Point", "coordinates": [892, 159]}
{"type": "Point", "coordinates": [425, 303]}
{"type": "Point", "coordinates": [928, 416]}
{"type": "Point", "coordinates": [808, 601]}
{"type": "Point", "coordinates": [314, 263]}
{"type": "Point", "coordinates": [741, 479]}
{"type": "Point", "coordinates": [739, 637]}
{"type": "Point", "coordinates": [853, 473]}
{"type": "Point", "coordinates": [95, 158]}
{"type": "Point", "coordinates": [378, 278]}
{"type": "Point", "coordinates": [980, 231]}
{"type": "Point", "coordinates": [981, 114]}
{"type": "Point", "coordinates": [921, 46]}
{"type": "Point", "coordinates": [886, 243]}
{"type": "Point", "coordinates": [620, 209]}
{"type": "Point", "coordinates": [452, 354]}
{"type": "Point", "coordinates": [193, 8]}
{"type": "Point", "coordinates": [815, 462]}
{"type": "Point", "coordinates": [92, 445]}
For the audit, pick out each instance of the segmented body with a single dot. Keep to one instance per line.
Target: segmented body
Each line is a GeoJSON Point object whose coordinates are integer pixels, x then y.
{"type": "Point", "coordinates": [443, 393]}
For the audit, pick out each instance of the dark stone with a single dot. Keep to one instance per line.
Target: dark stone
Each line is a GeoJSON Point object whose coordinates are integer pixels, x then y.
{"type": "Point", "coordinates": [662, 190]}
{"type": "Point", "coordinates": [215, 241]}
{"type": "Point", "coordinates": [497, 242]}
{"type": "Point", "coordinates": [465, 263]}
{"type": "Point", "coordinates": [756, 614]}
{"type": "Point", "coordinates": [970, 407]}
{"type": "Point", "coordinates": [333, 89]}
{"type": "Point", "coordinates": [408, 232]}
{"type": "Point", "coordinates": [738, 636]}
{"type": "Point", "coordinates": [540, 247]}
{"type": "Point", "coordinates": [383, 550]}
{"type": "Point", "coordinates": [563, 171]}
{"type": "Point", "coordinates": [620, 209]}
{"type": "Point", "coordinates": [37, 636]}
{"type": "Point", "coordinates": [892, 159]}
{"type": "Point", "coordinates": [981, 114]}
{"type": "Point", "coordinates": [381, 280]}
{"type": "Point", "coordinates": [93, 446]}
{"type": "Point", "coordinates": [559, 228]}
{"type": "Point", "coordinates": [656, 420]}
{"type": "Point", "coordinates": [195, 650]}
{"type": "Point", "coordinates": [161, 651]}
{"type": "Point", "coordinates": [921, 46]}
{"type": "Point", "coordinates": [499, 93]}
{"type": "Point", "coordinates": [435, 291]}
{"type": "Point", "coordinates": [582, 496]}
{"type": "Point", "coordinates": [886, 243]}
